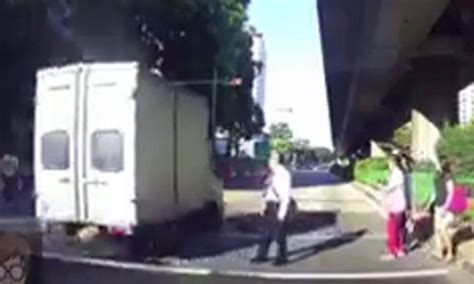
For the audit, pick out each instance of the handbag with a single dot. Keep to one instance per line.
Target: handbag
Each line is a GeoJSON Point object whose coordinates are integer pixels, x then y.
{"type": "Point", "coordinates": [292, 209]}
{"type": "Point", "coordinates": [459, 201]}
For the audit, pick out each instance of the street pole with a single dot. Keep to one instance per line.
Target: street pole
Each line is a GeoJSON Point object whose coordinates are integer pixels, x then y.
{"type": "Point", "coordinates": [175, 151]}
{"type": "Point", "coordinates": [213, 110]}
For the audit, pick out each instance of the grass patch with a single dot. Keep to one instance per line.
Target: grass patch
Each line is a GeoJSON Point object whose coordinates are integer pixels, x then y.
{"type": "Point", "coordinates": [423, 187]}
{"type": "Point", "coordinates": [372, 171]}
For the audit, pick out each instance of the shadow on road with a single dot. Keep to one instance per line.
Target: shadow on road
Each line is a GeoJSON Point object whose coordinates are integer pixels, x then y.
{"type": "Point", "coordinates": [464, 235]}
{"type": "Point", "coordinates": [304, 221]}
{"type": "Point", "coordinates": [245, 231]}
{"type": "Point", "coordinates": [309, 251]}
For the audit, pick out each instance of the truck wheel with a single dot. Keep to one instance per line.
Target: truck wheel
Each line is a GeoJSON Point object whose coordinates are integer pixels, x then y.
{"type": "Point", "coordinates": [137, 247]}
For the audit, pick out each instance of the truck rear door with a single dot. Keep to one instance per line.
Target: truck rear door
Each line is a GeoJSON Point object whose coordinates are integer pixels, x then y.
{"type": "Point", "coordinates": [55, 158]}
{"type": "Point", "coordinates": [109, 145]}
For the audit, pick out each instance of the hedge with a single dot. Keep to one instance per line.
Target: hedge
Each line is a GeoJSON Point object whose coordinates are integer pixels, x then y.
{"type": "Point", "coordinates": [424, 182]}
{"type": "Point", "coordinates": [372, 171]}
{"type": "Point", "coordinates": [423, 187]}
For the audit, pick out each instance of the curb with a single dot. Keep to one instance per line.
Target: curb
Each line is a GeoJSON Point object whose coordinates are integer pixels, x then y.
{"type": "Point", "coordinates": [372, 193]}
{"type": "Point", "coordinates": [373, 196]}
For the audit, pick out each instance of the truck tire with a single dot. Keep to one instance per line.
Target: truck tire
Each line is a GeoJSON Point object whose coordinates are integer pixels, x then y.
{"type": "Point", "coordinates": [153, 241]}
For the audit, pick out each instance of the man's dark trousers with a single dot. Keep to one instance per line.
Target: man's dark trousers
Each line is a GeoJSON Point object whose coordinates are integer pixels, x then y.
{"type": "Point", "coordinates": [275, 230]}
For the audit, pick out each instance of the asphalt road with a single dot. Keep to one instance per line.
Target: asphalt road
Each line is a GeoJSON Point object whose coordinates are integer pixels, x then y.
{"type": "Point", "coordinates": [304, 178]}
{"type": "Point", "coordinates": [352, 258]}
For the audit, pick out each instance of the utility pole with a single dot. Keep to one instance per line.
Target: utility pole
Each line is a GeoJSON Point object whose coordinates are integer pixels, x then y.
{"type": "Point", "coordinates": [175, 151]}
{"type": "Point", "coordinates": [214, 110]}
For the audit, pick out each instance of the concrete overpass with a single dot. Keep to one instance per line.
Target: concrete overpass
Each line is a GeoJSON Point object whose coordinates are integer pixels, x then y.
{"type": "Point", "coordinates": [389, 61]}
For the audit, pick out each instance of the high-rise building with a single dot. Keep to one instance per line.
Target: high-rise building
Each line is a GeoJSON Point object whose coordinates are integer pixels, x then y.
{"type": "Point", "coordinates": [259, 58]}
{"type": "Point", "coordinates": [466, 104]}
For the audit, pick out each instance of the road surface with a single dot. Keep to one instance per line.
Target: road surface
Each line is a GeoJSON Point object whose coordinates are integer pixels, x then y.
{"type": "Point", "coordinates": [53, 272]}
{"type": "Point", "coordinates": [336, 238]}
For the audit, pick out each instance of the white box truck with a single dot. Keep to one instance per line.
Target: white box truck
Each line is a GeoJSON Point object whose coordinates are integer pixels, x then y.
{"type": "Point", "coordinates": [118, 148]}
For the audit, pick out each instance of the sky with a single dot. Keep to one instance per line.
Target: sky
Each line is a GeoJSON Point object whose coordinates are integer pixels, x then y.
{"type": "Point", "coordinates": [295, 72]}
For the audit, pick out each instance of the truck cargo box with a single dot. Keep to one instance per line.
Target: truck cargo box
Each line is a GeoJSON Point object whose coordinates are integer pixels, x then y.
{"type": "Point", "coordinates": [117, 147]}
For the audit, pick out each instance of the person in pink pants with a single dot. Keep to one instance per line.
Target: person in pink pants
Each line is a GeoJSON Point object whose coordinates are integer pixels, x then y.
{"type": "Point", "coordinates": [394, 205]}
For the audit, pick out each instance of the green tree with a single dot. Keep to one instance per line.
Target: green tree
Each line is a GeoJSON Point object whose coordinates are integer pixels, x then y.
{"type": "Point", "coordinates": [457, 145]}
{"type": "Point", "coordinates": [402, 136]}
{"type": "Point", "coordinates": [34, 35]}
{"type": "Point", "coordinates": [300, 150]}
{"type": "Point", "coordinates": [281, 136]}
{"type": "Point", "coordinates": [186, 40]}
{"type": "Point", "coordinates": [301, 144]}
{"type": "Point", "coordinates": [322, 154]}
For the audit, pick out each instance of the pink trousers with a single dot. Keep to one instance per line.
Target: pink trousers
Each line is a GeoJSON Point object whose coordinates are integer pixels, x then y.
{"type": "Point", "coordinates": [395, 233]}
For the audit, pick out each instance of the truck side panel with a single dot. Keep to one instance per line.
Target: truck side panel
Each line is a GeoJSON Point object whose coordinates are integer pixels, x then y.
{"type": "Point", "coordinates": [194, 168]}
{"type": "Point", "coordinates": [154, 148]}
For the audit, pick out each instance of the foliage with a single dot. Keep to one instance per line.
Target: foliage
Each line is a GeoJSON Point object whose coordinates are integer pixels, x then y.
{"type": "Point", "coordinates": [424, 182]}
{"type": "Point", "coordinates": [424, 166]}
{"type": "Point", "coordinates": [281, 136]}
{"type": "Point", "coordinates": [202, 39]}
{"type": "Point", "coordinates": [402, 136]}
{"type": "Point", "coordinates": [323, 155]}
{"type": "Point", "coordinates": [372, 171]}
{"type": "Point", "coordinates": [184, 40]}
{"type": "Point", "coordinates": [457, 145]}
{"type": "Point", "coordinates": [465, 180]}
{"type": "Point", "coordinates": [31, 39]}
{"type": "Point", "coordinates": [301, 145]}
{"type": "Point", "coordinates": [424, 186]}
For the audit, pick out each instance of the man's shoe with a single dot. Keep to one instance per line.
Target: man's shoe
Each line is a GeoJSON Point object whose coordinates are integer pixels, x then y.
{"type": "Point", "coordinates": [280, 261]}
{"type": "Point", "coordinates": [259, 259]}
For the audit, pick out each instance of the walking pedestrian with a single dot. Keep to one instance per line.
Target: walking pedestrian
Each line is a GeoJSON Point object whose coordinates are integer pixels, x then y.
{"type": "Point", "coordinates": [394, 204]}
{"type": "Point", "coordinates": [277, 201]}
{"type": "Point", "coordinates": [10, 181]}
{"type": "Point", "coordinates": [408, 227]}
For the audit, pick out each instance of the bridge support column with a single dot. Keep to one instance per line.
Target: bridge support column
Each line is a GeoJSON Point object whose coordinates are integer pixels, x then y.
{"type": "Point", "coordinates": [425, 135]}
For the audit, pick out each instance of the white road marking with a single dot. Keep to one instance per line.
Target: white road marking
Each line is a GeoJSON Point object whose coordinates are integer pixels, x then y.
{"type": "Point", "coordinates": [303, 237]}
{"type": "Point", "coordinates": [247, 274]}
{"type": "Point", "coordinates": [339, 276]}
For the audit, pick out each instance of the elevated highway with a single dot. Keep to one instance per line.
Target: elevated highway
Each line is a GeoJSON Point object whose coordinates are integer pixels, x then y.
{"type": "Point", "coordinates": [389, 61]}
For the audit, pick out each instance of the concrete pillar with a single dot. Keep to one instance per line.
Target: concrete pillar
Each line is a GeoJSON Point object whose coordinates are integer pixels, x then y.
{"type": "Point", "coordinates": [376, 151]}
{"type": "Point", "coordinates": [425, 135]}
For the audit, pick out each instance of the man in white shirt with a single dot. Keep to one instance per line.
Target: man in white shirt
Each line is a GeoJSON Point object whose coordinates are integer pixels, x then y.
{"type": "Point", "coordinates": [277, 200]}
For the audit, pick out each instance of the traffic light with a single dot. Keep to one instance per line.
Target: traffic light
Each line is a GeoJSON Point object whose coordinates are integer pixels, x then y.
{"type": "Point", "coordinates": [236, 81]}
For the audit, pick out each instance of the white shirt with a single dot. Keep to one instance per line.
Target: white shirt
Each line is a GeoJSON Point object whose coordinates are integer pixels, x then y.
{"type": "Point", "coordinates": [393, 194]}
{"type": "Point", "coordinates": [279, 190]}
